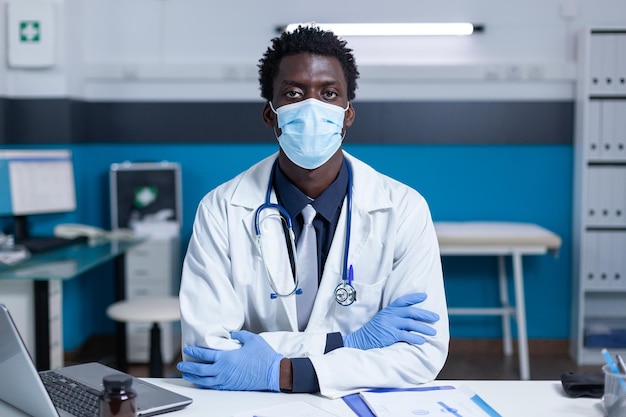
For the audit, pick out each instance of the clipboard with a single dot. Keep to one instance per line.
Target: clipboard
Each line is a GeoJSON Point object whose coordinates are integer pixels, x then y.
{"type": "Point", "coordinates": [360, 408]}
{"type": "Point", "coordinates": [460, 401]}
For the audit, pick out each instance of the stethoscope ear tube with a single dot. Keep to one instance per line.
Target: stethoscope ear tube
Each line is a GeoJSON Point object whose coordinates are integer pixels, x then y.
{"type": "Point", "coordinates": [275, 293]}
{"type": "Point", "coordinates": [345, 293]}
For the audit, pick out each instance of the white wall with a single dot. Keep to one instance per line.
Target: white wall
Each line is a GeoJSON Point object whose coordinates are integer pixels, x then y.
{"type": "Point", "coordinates": [208, 50]}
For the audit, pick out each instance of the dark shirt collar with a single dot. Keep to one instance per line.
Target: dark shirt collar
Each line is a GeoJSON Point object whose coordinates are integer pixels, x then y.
{"type": "Point", "coordinates": [326, 204]}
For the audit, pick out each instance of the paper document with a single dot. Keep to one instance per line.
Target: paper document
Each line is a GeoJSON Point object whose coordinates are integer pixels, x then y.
{"type": "Point", "coordinates": [460, 402]}
{"type": "Point", "coordinates": [293, 409]}
{"type": "Point", "coordinates": [13, 256]}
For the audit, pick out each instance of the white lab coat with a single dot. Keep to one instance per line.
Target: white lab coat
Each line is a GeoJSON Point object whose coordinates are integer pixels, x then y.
{"type": "Point", "coordinates": [393, 250]}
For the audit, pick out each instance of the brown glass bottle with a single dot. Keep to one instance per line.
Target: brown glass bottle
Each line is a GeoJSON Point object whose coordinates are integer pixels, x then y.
{"type": "Point", "coordinates": [118, 397]}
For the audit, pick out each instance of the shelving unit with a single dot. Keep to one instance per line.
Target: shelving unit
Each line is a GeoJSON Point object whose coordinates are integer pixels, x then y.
{"type": "Point", "coordinates": [146, 197]}
{"type": "Point", "coordinates": [599, 296]}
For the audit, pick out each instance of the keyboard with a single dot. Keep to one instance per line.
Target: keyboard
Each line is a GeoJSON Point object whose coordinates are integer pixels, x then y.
{"type": "Point", "coordinates": [71, 396]}
{"type": "Point", "coordinates": [47, 243]}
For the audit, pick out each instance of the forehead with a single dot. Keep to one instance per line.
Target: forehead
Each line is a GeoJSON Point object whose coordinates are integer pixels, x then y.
{"type": "Point", "coordinates": [307, 67]}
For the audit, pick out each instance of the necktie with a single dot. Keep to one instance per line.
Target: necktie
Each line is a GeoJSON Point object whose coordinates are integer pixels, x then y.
{"type": "Point", "coordinates": [307, 267]}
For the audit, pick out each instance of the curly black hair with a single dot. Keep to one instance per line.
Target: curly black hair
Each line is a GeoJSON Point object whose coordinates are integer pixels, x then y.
{"type": "Point", "coordinates": [307, 39]}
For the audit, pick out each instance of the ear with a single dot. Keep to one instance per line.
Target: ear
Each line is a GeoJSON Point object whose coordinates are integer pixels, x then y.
{"type": "Point", "coordinates": [269, 117]}
{"type": "Point", "coordinates": [349, 118]}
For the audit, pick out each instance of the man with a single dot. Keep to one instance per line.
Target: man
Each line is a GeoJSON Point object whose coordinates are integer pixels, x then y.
{"type": "Point", "coordinates": [373, 312]}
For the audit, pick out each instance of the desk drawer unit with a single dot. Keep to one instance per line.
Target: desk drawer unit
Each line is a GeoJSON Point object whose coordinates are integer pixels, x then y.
{"type": "Point", "coordinates": [153, 269]}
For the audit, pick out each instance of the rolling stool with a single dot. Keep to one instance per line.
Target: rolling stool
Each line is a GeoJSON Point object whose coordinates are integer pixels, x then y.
{"type": "Point", "coordinates": [145, 310]}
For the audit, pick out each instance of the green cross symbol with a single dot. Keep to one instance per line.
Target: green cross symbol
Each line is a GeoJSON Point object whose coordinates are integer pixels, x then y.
{"type": "Point", "coordinates": [144, 196]}
{"type": "Point", "coordinates": [30, 31]}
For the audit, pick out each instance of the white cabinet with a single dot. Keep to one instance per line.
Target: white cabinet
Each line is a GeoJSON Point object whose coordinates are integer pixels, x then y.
{"type": "Point", "coordinates": [599, 296]}
{"type": "Point", "coordinates": [153, 269]}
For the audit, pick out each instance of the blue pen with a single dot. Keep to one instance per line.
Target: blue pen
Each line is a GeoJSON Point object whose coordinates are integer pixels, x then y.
{"type": "Point", "coordinates": [350, 275]}
{"type": "Point", "coordinates": [613, 367]}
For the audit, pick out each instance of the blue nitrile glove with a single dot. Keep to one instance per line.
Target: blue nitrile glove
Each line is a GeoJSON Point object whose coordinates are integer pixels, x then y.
{"type": "Point", "coordinates": [395, 323]}
{"type": "Point", "coordinates": [255, 366]}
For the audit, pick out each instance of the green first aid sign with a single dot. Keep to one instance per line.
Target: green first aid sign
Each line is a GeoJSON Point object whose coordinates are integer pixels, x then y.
{"type": "Point", "coordinates": [30, 31]}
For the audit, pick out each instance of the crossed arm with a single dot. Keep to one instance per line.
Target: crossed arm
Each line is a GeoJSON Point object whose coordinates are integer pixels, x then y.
{"type": "Point", "coordinates": [256, 366]}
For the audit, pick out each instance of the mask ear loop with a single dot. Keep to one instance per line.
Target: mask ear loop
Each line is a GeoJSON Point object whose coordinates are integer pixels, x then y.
{"type": "Point", "coordinates": [343, 130]}
{"type": "Point", "coordinates": [276, 113]}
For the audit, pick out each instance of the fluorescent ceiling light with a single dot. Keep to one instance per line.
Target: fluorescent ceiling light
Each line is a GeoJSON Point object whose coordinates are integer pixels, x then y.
{"type": "Point", "coordinates": [393, 29]}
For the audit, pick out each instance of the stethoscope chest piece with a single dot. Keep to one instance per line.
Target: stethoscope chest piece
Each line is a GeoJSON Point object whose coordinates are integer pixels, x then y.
{"type": "Point", "coordinates": [345, 294]}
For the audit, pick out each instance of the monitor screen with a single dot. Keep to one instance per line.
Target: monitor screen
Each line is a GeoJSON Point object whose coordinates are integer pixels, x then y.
{"type": "Point", "coordinates": [36, 181]}
{"type": "Point", "coordinates": [144, 192]}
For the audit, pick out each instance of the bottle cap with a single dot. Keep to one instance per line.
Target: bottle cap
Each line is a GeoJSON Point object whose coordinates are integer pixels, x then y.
{"type": "Point", "coordinates": [117, 381]}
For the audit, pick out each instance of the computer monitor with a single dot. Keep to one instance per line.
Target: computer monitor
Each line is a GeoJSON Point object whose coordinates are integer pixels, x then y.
{"type": "Point", "coordinates": [35, 181]}
{"type": "Point", "coordinates": [145, 192]}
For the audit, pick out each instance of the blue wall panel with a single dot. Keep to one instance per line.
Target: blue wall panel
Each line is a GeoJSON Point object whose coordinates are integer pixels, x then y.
{"type": "Point", "coordinates": [529, 183]}
{"type": "Point", "coordinates": [494, 182]}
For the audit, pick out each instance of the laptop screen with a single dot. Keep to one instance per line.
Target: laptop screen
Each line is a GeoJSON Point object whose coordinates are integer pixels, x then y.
{"type": "Point", "coordinates": [25, 391]}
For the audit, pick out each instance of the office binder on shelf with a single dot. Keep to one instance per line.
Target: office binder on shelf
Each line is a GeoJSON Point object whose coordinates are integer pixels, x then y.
{"type": "Point", "coordinates": [607, 129]}
{"type": "Point", "coordinates": [606, 188]}
{"type": "Point", "coordinates": [619, 145]}
{"type": "Point", "coordinates": [621, 65]}
{"type": "Point", "coordinates": [596, 62]}
{"type": "Point", "coordinates": [618, 197]}
{"type": "Point", "coordinates": [593, 201]}
{"type": "Point", "coordinates": [621, 191]}
{"type": "Point", "coordinates": [602, 63]}
{"type": "Point", "coordinates": [593, 129]}
{"type": "Point", "coordinates": [602, 192]}
{"type": "Point", "coordinates": [611, 61]}
{"type": "Point", "coordinates": [586, 262]}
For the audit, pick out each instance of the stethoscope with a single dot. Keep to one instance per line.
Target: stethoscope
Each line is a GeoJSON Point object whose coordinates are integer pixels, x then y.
{"type": "Point", "coordinates": [345, 294]}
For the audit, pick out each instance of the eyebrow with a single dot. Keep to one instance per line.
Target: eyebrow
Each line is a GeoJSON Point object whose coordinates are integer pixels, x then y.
{"type": "Point", "coordinates": [328, 83]}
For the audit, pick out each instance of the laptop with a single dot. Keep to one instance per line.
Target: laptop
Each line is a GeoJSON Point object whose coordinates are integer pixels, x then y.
{"type": "Point", "coordinates": [23, 386]}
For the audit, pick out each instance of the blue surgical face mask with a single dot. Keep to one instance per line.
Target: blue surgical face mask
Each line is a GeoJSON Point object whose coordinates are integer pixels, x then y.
{"type": "Point", "coordinates": [311, 131]}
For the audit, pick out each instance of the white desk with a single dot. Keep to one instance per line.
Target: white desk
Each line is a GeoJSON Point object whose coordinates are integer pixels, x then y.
{"type": "Point", "coordinates": [500, 239]}
{"type": "Point", "coordinates": [509, 398]}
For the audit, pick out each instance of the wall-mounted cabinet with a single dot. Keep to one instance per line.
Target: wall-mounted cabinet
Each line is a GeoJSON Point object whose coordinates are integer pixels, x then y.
{"type": "Point", "coordinates": [599, 296]}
